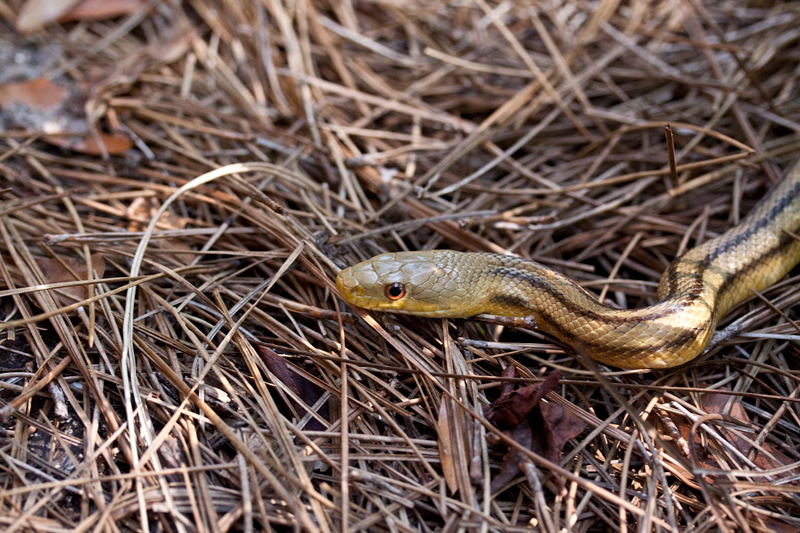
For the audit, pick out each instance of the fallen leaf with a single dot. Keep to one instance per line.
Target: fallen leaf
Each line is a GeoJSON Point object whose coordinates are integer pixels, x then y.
{"type": "Point", "coordinates": [544, 428]}
{"type": "Point", "coordinates": [512, 407]}
{"type": "Point", "coordinates": [513, 458]}
{"type": "Point", "coordinates": [766, 524]}
{"type": "Point", "coordinates": [114, 143]}
{"type": "Point", "coordinates": [560, 426]}
{"type": "Point", "coordinates": [66, 269]}
{"type": "Point", "coordinates": [101, 9]}
{"type": "Point", "coordinates": [141, 210]}
{"type": "Point", "coordinates": [300, 386]}
{"type": "Point", "coordinates": [725, 404]}
{"type": "Point", "coordinates": [139, 213]}
{"type": "Point", "coordinates": [36, 14]}
{"type": "Point", "coordinates": [39, 93]}
{"type": "Point", "coordinates": [717, 403]}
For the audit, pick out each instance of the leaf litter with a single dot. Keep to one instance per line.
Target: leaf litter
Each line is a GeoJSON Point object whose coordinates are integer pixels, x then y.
{"type": "Point", "coordinates": [544, 428]}
{"type": "Point", "coordinates": [225, 387]}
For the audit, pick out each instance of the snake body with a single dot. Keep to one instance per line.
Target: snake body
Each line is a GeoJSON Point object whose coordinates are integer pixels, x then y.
{"type": "Point", "coordinates": [697, 289]}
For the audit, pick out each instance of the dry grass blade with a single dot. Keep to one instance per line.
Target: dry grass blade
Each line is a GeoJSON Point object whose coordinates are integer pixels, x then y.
{"type": "Point", "coordinates": [173, 353]}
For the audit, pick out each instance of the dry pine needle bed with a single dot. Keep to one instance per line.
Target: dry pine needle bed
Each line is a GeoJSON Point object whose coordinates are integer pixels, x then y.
{"type": "Point", "coordinates": [180, 184]}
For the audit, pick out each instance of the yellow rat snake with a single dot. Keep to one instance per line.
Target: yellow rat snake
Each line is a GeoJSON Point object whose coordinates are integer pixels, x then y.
{"type": "Point", "coordinates": [697, 289]}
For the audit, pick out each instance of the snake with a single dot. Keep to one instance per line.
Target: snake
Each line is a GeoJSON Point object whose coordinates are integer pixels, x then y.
{"type": "Point", "coordinates": [696, 290]}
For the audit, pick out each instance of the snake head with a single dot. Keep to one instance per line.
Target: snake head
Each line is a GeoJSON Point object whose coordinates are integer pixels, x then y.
{"type": "Point", "coordinates": [419, 283]}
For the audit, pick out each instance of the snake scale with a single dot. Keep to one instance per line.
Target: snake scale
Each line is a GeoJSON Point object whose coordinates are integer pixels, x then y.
{"type": "Point", "coordinates": [695, 291]}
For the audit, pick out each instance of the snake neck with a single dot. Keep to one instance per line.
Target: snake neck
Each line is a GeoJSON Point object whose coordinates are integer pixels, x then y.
{"type": "Point", "coordinates": [659, 336]}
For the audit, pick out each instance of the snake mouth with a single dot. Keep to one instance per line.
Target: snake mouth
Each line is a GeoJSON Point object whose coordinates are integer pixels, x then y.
{"type": "Point", "coordinates": [353, 292]}
{"type": "Point", "coordinates": [349, 288]}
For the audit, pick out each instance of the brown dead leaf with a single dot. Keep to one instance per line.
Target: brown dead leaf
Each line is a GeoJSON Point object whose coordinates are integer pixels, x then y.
{"type": "Point", "coordinates": [300, 386]}
{"type": "Point", "coordinates": [716, 403]}
{"type": "Point", "coordinates": [141, 210]}
{"type": "Point", "coordinates": [36, 14]}
{"type": "Point", "coordinates": [513, 458]}
{"type": "Point", "coordinates": [560, 426]}
{"type": "Point", "coordinates": [101, 9]}
{"type": "Point", "coordinates": [179, 249]}
{"type": "Point", "coordinates": [40, 93]}
{"type": "Point", "coordinates": [66, 269]}
{"type": "Point", "coordinates": [446, 447]}
{"type": "Point", "coordinates": [114, 143]}
{"type": "Point", "coordinates": [543, 428]}
{"type": "Point", "coordinates": [766, 524]}
{"type": "Point", "coordinates": [512, 407]}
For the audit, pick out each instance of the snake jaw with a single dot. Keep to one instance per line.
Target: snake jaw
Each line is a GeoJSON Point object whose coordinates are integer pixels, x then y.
{"type": "Point", "coordinates": [353, 290]}
{"type": "Point", "coordinates": [361, 286]}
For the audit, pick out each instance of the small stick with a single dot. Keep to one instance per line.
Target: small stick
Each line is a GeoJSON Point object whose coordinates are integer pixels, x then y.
{"type": "Point", "coordinates": [673, 166]}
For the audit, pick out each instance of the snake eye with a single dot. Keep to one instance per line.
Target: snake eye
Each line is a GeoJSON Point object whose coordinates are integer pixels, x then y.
{"type": "Point", "coordinates": [395, 291]}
